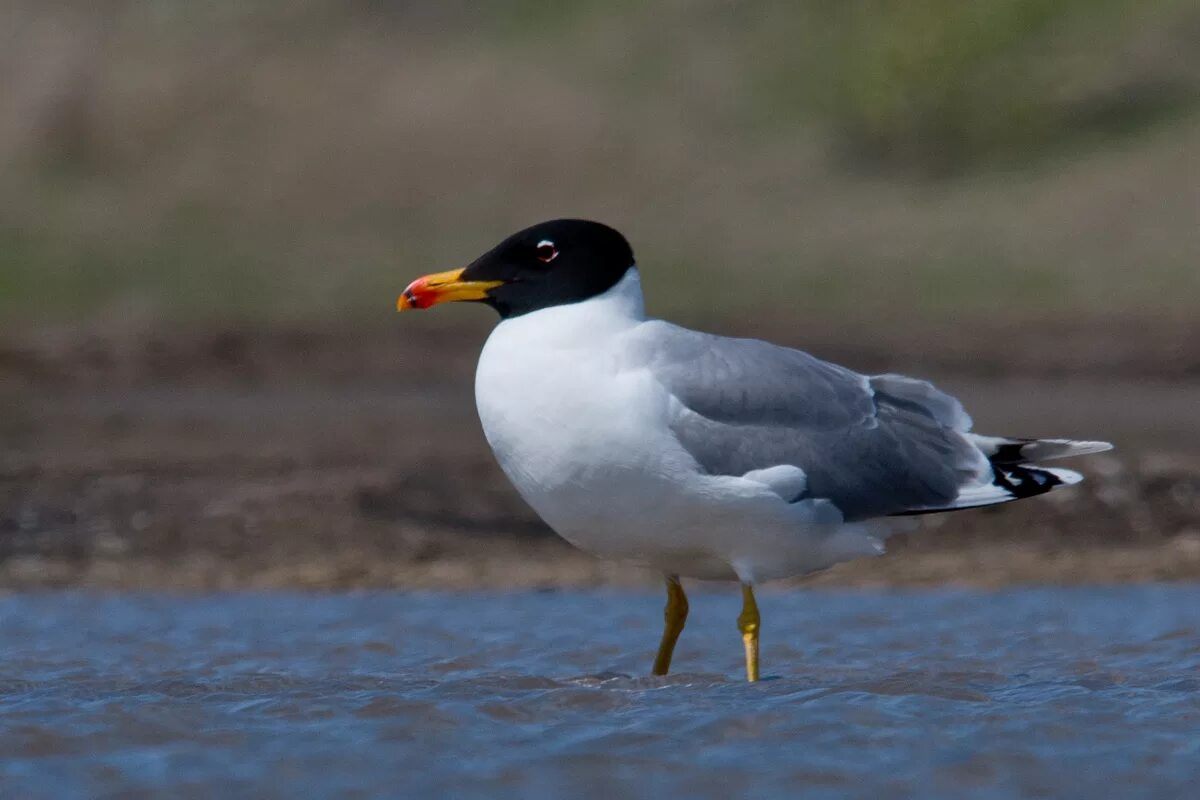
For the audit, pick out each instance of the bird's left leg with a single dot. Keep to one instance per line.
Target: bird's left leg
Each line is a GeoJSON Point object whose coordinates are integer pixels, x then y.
{"type": "Point", "coordinates": [748, 624]}
{"type": "Point", "coordinates": [674, 617]}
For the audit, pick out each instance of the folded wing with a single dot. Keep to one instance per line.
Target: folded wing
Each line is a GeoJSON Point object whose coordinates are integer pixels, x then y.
{"type": "Point", "coordinates": [872, 446]}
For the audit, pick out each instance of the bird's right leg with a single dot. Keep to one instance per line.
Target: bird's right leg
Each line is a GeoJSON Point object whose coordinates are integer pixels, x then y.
{"type": "Point", "coordinates": [748, 622]}
{"type": "Point", "coordinates": [675, 616]}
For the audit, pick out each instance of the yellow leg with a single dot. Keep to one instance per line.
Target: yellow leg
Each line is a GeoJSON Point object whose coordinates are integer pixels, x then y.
{"type": "Point", "coordinates": [675, 616]}
{"type": "Point", "coordinates": [748, 624]}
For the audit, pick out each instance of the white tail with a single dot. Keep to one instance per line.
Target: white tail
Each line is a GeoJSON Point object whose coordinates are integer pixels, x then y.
{"type": "Point", "coordinates": [1000, 450]}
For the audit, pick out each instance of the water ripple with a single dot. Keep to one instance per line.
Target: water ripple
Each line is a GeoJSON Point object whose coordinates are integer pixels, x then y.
{"type": "Point", "coordinates": [952, 694]}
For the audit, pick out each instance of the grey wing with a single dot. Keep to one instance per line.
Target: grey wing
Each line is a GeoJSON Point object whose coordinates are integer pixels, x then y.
{"type": "Point", "coordinates": [871, 445]}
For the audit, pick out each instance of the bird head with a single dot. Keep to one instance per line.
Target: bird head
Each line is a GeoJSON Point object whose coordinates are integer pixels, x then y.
{"type": "Point", "coordinates": [548, 264]}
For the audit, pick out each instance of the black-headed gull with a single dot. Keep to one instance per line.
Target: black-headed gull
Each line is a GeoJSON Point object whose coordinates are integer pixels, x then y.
{"type": "Point", "coordinates": [700, 455]}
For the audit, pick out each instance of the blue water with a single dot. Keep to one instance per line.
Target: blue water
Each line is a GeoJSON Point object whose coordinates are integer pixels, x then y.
{"type": "Point", "coordinates": [1055, 692]}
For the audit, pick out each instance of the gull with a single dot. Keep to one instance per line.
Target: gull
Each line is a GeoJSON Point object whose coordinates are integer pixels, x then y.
{"type": "Point", "coordinates": [698, 455]}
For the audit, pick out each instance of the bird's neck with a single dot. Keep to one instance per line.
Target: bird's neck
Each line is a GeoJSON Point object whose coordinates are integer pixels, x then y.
{"type": "Point", "coordinates": [624, 300]}
{"type": "Point", "coordinates": [617, 309]}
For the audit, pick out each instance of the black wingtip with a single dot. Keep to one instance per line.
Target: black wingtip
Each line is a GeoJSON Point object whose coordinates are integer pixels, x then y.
{"type": "Point", "coordinates": [1009, 453]}
{"type": "Point", "coordinates": [1023, 481]}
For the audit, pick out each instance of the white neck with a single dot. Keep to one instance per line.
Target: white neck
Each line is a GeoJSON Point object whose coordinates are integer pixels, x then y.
{"type": "Point", "coordinates": [619, 307]}
{"type": "Point", "coordinates": [626, 297]}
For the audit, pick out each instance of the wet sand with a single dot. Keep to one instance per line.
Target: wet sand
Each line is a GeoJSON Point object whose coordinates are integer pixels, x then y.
{"type": "Point", "coordinates": [324, 459]}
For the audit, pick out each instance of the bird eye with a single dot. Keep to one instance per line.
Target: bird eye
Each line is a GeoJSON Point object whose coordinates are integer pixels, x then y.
{"type": "Point", "coordinates": [546, 251]}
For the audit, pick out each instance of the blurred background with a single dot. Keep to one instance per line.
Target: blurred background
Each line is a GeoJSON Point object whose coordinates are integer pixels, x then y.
{"type": "Point", "coordinates": [208, 210]}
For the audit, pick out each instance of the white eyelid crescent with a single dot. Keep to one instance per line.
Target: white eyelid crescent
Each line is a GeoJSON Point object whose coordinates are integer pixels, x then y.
{"type": "Point", "coordinates": [553, 250]}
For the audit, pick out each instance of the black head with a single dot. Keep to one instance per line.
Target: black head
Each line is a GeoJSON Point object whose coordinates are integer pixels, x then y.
{"type": "Point", "coordinates": [550, 264]}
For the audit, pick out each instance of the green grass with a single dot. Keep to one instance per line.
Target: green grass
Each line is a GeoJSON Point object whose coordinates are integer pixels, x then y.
{"type": "Point", "coordinates": [183, 272]}
{"type": "Point", "coordinates": [937, 86]}
{"type": "Point", "coordinates": [930, 158]}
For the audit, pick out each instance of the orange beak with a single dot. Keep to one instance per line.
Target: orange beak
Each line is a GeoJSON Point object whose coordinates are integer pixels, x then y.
{"type": "Point", "coordinates": [442, 287]}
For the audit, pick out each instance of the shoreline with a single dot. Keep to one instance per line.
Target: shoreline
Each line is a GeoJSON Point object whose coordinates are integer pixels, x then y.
{"type": "Point", "coordinates": [278, 459]}
{"type": "Point", "coordinates": [989, 568]}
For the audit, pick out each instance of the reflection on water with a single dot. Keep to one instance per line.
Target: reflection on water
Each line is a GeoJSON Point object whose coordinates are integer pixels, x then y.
{"type": "Point", "coordinates": [1062, 692]}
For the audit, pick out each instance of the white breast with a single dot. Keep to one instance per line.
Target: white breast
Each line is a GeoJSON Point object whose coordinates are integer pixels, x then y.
{"type": "Point", "coordinates": [569, 426]}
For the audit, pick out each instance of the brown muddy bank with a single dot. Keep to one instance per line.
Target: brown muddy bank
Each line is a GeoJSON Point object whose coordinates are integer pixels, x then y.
{"type": "Point", "coordinates": [315, 458]}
